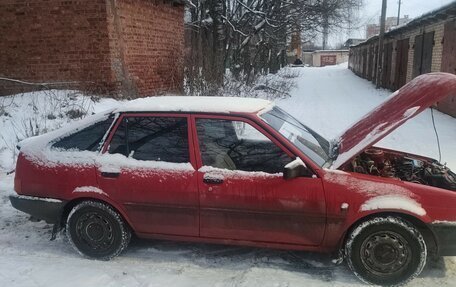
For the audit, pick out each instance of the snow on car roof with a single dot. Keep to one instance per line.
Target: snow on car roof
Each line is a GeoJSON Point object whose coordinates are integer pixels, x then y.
{"type": "Point", "coordinates": [195, 104]}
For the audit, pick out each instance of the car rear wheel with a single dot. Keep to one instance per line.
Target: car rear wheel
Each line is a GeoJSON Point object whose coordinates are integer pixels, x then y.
{"type": "Point", "coordinates": [386, 251]}
{"type": "Point", "coordinates": [95, 230]}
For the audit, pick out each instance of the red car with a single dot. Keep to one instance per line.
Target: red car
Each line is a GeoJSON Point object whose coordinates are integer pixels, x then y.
{"type": "Point", "coordinates": [243, 171]}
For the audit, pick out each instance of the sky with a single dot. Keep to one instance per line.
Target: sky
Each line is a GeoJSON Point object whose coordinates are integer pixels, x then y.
{"type": "Point", "coordinates": [371, 10]}
{"type": "Point", "coordinates": [413, 8]}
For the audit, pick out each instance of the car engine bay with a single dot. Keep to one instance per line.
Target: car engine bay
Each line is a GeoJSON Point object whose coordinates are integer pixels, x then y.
{"type": "Point", "coordinates": [389, 164]}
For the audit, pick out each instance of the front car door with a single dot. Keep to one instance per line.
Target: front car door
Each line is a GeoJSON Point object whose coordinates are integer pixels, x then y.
{"type": "Point", "coordinates": [148, 168]}
{"type": "Point", "coordinates": [243, 195]}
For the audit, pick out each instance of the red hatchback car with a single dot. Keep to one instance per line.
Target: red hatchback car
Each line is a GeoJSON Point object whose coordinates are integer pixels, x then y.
{"type": "Point", "coordinates": [243, 171]}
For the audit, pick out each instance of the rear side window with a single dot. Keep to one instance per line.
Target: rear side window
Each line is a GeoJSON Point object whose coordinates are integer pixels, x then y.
{"type": "Point", "coordinates": [152, 138]}
{"type": "Point", "coordinates": [88, 139]}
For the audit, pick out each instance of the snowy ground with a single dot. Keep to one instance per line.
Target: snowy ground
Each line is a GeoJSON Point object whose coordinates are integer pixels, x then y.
{"type": "Point", "coordinates": [328, 99]}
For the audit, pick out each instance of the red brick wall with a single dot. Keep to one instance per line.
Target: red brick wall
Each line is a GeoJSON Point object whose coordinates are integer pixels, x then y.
{"type": "Point", "coordinates": [147, 43]}
{"type": "Point", "coordinates": [54, 40]}
{"type": "Point", "coordinates": [134, 47]}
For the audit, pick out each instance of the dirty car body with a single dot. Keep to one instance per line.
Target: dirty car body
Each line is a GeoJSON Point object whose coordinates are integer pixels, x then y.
{"type": "Point", "coordinates": [243, 171]}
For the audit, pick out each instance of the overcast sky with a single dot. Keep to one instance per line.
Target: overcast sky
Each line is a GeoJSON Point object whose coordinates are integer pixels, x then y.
{"type": "Point", "coordinates": [413, 8]}
{"type": "Point", "coordinates": [370, 13]}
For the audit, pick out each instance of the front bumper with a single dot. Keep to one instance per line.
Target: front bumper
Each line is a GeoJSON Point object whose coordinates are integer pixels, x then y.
{"type": "Point", "coordinates": [445, 235]}
{"type": "Point", "coordinates": [47, 209]}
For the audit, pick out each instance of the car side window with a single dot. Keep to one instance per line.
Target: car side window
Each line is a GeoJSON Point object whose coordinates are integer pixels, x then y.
{"type": "Point", "coordinates": [88, 139]}
{"type": "Point", "coordinates": [152, 138]}
{"type": "Point", "coordinates": [236, 145]}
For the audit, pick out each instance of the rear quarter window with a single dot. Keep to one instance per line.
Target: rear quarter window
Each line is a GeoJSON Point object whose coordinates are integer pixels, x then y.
{"type": "Point", "coordinates": [87, 139]}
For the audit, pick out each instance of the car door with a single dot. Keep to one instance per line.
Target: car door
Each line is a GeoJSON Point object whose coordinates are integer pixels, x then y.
{"type": "Point", "coordinates": [148, 168]}
{"type": "Point", "coordinates": [243, 195]}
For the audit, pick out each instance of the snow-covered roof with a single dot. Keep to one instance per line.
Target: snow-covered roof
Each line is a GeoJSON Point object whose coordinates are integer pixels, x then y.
{"type": "Point", "coordinates": [195, 104]}
{"type": "Point", "coordinates": [440, 14]}
{"type": "Point", "coordinates": [332, 51]}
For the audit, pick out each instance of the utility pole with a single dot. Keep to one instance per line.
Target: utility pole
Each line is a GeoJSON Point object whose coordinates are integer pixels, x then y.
{"type": "Point", "coordinates": [380, 45]}
{"type": "Point", "coordinates": [399, 12]}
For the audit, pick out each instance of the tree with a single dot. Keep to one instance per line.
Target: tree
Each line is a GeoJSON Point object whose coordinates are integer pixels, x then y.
{"type": "Point", "coordinates": [336, 14]}
{"type": "Point", "coordinates": [249, 37]}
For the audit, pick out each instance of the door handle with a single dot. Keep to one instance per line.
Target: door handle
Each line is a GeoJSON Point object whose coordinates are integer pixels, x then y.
{"type": "Point", "coordinates": [110, 174]}
{"type": "Point", "coordinates": [211, 180]}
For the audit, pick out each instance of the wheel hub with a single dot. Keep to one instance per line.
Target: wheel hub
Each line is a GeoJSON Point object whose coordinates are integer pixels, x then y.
{"type": "Point", "coordinates": [95, 231]}
{"type": "Point", "coordinates": [385, 253]}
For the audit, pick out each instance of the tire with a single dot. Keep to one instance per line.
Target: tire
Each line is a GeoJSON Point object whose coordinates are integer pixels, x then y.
{"type": "Point", "coordinates": [386, 251]}
{"type": "Point", "coordinates": [96, 231]}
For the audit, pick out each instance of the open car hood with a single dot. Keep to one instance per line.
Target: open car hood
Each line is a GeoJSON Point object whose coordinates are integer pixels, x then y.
{"type": "Point", "coordinates": [404, 104]}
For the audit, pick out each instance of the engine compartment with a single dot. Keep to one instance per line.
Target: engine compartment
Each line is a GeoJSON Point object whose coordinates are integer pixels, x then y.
{"type": "Point", "coordinates": [379, 162]}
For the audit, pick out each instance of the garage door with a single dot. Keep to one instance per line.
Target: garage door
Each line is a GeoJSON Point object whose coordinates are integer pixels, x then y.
{"type": "Point", "coordinates": [449, 64]}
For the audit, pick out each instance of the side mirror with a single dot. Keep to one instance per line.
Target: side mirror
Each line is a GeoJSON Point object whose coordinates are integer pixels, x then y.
{"type": "Point", "coordinates": [295, 169]}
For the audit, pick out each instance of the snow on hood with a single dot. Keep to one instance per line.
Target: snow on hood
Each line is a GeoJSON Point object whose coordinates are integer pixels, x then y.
{"type": "Point", "coordinates": [404, 104]}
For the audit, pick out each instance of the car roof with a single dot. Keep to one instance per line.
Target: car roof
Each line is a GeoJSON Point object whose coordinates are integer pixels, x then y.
{"type": "Point", "coordinates": [195, 104]}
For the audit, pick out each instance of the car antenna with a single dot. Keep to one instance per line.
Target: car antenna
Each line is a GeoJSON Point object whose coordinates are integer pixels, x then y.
{"type": "Point", "coordinates": [436, 134]}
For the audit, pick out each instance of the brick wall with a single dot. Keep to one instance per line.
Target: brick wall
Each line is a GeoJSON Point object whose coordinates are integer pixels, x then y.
{"type": "Point", "coordinates": [53, 41]}
{"type": "Point", "coordinates": [133, 47]}
{"type": "Point", "coordinates": [438, 46]}
{"type": "Point", "coordinates": [448, 64]}
{"type": "Point", "coordinates": [411, 36]}
{"type": "Point", "coordinates": [436, 51]}
{"type": "Point", "coordinates": [146, 39]}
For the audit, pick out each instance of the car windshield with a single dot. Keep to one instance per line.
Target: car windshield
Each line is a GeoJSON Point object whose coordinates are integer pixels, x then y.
{"type": "Point", "coordinates": [305, 139]}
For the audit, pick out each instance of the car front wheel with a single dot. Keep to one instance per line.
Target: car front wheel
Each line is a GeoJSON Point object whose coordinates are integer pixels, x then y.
{"type": "Point", "coordinates": [95, 230]}
{"type": "Point", "coordinates": [386, 251]}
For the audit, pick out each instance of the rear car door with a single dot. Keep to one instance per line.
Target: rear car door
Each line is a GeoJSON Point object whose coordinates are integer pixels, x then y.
{"type": "Point", "coordinates": [243, 195]}
{"type": "Point", "coordinates": [148, 168]}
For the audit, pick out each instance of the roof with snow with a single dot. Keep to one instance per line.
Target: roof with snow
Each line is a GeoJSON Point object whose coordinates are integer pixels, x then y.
{"type": "Point", "coordinates": [195, 104]}
{"type": "Point", "coordinates": [440, 14]}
